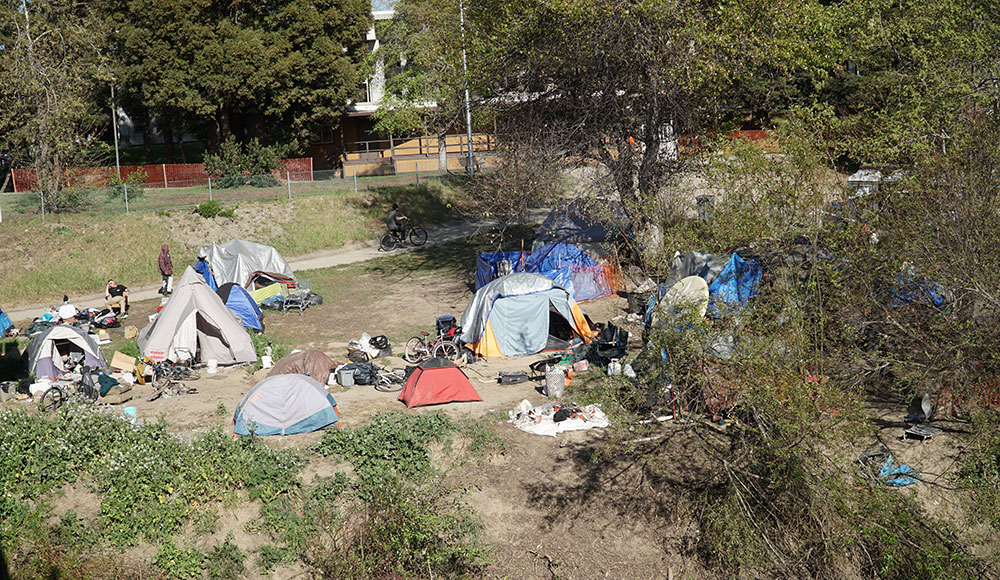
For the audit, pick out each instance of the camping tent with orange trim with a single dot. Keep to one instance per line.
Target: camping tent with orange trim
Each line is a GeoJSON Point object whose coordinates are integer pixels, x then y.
{"type": "Point", "coordinates": [523, 314]}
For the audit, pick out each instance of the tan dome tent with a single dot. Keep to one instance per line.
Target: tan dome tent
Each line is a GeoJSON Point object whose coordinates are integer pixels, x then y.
{"type": "Point", "coordinates": [305, 362]}
{"type": "Point", "coordinates": [196, 321]}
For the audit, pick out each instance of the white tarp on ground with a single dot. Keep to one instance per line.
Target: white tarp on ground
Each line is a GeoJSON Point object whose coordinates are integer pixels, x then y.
{"type": "Point", "coordinates": [540, 420]}
{"type": "Point", "coordinates": [237, 260]}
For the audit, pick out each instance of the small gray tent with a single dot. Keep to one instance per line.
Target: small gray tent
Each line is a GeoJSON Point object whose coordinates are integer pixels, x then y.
{"type": "Point", "coordinates": [285, 405]}
{"type": "Point", "coordinates": [243, 262]}
{"type": "Point", "coordinates": [45, 352]}
{"type": "Point", "coordinates": [196, 321]}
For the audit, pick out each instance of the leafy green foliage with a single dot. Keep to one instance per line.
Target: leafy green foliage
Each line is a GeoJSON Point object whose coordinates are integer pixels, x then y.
{"type": "Point", "coordinates": [180, 563]}
{"type": "Point", "coordinates": [262, 343]}
{"type": "Point", "coordinates": [130, 348]}
{"type": "Point", "coordinates": [212, 209]}
{"type": "Point", "coordinates": [133, 182]}
{"type": "Point", "coordinates": [239, 164]}
{"type": "Point", "coordinates": [392, 445]}
{"type": "Point", "coordinates": [150, 482]}
{"type": "Point", "coordinates": [225, 561]}
{"type": "Point", "coordinates": [980, 470]}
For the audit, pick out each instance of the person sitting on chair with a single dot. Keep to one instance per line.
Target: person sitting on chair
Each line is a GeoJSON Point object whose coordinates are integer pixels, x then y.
{"type": "Point", "coordinates": [116, 295]}
{"type": "Point", "coordinates": [394, 222]}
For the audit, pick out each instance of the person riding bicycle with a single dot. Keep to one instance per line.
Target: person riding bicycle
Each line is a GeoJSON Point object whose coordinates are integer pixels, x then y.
{"type": "Point", "coordinates": [394, 222]}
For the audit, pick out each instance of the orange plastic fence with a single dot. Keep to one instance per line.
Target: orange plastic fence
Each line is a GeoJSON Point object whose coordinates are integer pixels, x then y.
{"type": "Point", "coordinates": [158, 175]}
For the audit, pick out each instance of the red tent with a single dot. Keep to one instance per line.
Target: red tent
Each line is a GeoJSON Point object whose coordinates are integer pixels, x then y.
{"type": "Point", "coordinates": [436, 381]}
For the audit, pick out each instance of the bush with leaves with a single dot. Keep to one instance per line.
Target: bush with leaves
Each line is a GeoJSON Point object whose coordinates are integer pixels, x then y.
{"type": "Point", "coordinates": [116, 186]}
{"type": "Point", "coordinates": [237, 164]}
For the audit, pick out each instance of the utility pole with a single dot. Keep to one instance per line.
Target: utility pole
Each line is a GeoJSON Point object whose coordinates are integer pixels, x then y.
{"type": "Point", "coordinates": [114, 127]}
{"type": "Point", "coordinates": [468, 112]}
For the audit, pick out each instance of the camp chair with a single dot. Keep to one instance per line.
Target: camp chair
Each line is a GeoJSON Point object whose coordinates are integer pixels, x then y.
{"type": "Point", "coordinates": [611, 343]}
{"type": "Point", "coordinates": [298, 298]}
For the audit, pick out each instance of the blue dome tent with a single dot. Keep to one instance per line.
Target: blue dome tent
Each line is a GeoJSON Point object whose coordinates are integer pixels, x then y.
{"type": "Point", "coordinates": [242, 304]}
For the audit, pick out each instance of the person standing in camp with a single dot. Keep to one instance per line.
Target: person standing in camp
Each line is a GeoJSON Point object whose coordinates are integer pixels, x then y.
{"type": "Point", "coordinates": [166, 271]}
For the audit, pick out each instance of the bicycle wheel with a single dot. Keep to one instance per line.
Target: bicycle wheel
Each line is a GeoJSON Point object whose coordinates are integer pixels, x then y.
{"type": "Point", "coordinates": [390, 380]}
{"type": "Point", "coordinates": [186, 374]}
{"type": "Point", "coordinates": [51, 399]}
{"type": "Point", "coordinates": [387, 243]}
{"type": "Point", "coordinates": [418, 236]}
{"type": "Point", "coordinates": [415, 350]}
{"type": "Point", "coordinates": [448, 350]}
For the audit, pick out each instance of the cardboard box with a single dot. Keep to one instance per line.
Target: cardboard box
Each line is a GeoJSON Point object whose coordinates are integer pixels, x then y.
{"type": "Point", "coordinates": [123, 362]}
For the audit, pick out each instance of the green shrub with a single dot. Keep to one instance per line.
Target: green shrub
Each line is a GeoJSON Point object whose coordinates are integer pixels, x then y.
{"type": "Point", "coordinates": [132, 182]}
{"type": "Point", "coordinates": [209, 209]}
{"type": "Point", "coordinates": [261, 343]}
{"type": "Point", "coordinates": [180, 563]}
{"type": "Point", "coordinates": [250, 163]}
{"type": "Point", "coordinates": [225, 561]}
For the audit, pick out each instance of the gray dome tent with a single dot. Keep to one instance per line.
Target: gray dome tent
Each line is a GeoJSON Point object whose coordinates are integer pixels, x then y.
{"type": "Point", "coordinates": [45, 352]}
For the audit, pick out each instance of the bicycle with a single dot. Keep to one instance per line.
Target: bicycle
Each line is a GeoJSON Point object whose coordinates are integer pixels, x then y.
{"type": "Point", "coordinates": [392, 240]}
{"type": "Point", "coordinates": [443, 346]}
{"type": "Point", "coordinates": [56, 396]}
{"type": "Point", "coordinates": [390, 380]}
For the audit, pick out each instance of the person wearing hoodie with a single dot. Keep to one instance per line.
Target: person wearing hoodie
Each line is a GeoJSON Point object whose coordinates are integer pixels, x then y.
{"type": "Point", "coordinates": [166, 271]}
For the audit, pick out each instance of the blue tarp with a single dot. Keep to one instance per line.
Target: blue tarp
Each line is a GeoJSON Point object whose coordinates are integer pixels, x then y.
{"type": "Point", "coordinates": [5, 322]}
{"type": "Point", "coordinates": [201, 266]}
{"type": "Point", "coordinates": [486, 265]}
{"type": "Point", "coordinates": [242, 304]}
{"type": "Point", "coordinates": [571, 268]}
{"type": "Point", "coordinates": [737, 283]}
{"type": "Point", "coordinates": [916, 290]}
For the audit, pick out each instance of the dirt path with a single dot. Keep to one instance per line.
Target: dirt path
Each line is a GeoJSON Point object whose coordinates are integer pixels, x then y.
{"type": "Point", "coordinates": [23, 315]}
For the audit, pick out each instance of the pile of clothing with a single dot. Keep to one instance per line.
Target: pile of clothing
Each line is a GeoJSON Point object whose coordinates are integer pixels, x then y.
{"type": "Point", "coordinates": [553, 418]}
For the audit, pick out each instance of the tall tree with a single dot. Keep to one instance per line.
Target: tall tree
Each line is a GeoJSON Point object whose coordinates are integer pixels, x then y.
{"type": "Point", "coordinates": [50, 59]}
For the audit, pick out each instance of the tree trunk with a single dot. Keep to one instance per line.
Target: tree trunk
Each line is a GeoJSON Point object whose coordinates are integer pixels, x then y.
{"type": "Point", "coordinates": [225, 129]}
{"type": "Point", "coordinates": [147, 136]}
{"type": "Point", "coordinates": [180, 145]}
{"type": "Point", "coordinates": [168, 143]}
{"type": "Point", "coordinates": [442, 153]}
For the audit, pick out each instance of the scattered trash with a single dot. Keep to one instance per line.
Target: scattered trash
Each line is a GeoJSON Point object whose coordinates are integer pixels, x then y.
{"type": "Point", "coordinates": [925, 433]}
{"type": "Point", "coordinates": [553, 418]}
{"type": "Point", "coordinates": [879, 464]}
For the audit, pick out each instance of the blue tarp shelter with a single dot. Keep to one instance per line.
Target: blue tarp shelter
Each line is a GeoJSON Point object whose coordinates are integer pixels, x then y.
{"type": "Point", "coordinates": [737, 283]}
{"type": "Point", "coordinates": [576, 222]}
{"type": "Point", "coordinates": [242, 304]}
{"type": "Point", "coordinates": [487, 265]}
{"type": "Point", "coordinates": [572, 268]}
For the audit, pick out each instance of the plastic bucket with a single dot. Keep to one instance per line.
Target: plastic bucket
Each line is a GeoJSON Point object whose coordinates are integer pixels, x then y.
{"type": "Point", "coordinates": [266, 361]}
{"type": "Point", "coordinates": [130, 414]}
{"type": "Point", "coordinates": [346, 377]}
{"type": "Point", "coordinates": [213, 366]}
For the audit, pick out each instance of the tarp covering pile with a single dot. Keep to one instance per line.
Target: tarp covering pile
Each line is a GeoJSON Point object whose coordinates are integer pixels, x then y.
{"type": "Point", "coordinates": [305, 362]}
{"type": "Point", "coordinates": [436, 381]}
{"type": "Point", "coordinates": [195, 321]}
{"type": "Point", "coordinates": [45, 351]}
{"type": "Point", "coordinates": [488, 265]}
{"type": "Point", "coordinates": [240, 261]}
{"type": "Point", "coordinates": [285, 405]}
{"type": "Point", "coordinates": [731, 282]}
{"type": "Point", "coordinates": [513, 316]}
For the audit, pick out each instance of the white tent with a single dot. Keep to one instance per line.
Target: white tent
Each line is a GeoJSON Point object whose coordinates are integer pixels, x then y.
{"type": "Point", "coordinates": [240, 261]}
{"type": "Point", "coordinates": [195, 322]}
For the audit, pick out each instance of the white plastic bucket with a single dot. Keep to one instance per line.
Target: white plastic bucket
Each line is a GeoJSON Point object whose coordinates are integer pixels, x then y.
{"type": "Point", "coordinates": [266, 361]}
{"type": "Point", "coordinates": [213, 366]}
{"type": "Point", "coordinates": [333, 379]}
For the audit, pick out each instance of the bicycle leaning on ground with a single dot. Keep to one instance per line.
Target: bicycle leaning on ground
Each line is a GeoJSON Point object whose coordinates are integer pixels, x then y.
{"type": "Point", "coordinates": [392, 240]}
{"type": "Point", "coordinates": [55, 396]}
{"type": "Point", "coordinates": [444, 346]}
